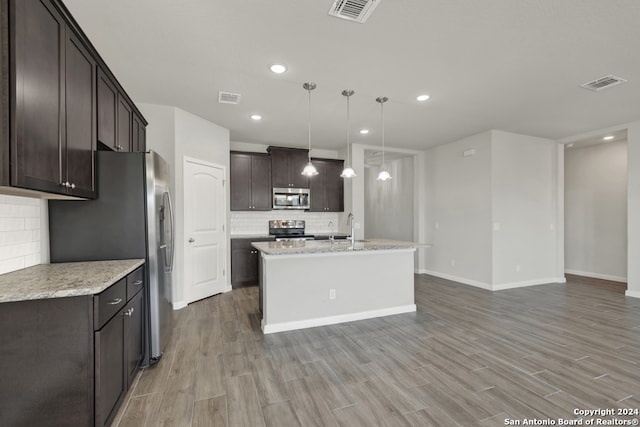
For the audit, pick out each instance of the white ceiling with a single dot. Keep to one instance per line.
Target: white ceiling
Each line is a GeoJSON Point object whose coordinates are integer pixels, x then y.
{"type": "Point", "coordinates": [514, 65]}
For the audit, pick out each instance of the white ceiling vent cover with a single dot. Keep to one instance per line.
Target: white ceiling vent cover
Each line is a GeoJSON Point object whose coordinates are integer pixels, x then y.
{"type": "Point", "coordinates": [603, 82]}
{"type": "Point", "coordinates": [353, 10]}
{"type": "Point", "coordinates": [228, 98]}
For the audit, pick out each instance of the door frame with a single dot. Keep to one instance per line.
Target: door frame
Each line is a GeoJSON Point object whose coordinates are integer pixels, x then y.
{"type": "Point", "coordinates": [225, 201]}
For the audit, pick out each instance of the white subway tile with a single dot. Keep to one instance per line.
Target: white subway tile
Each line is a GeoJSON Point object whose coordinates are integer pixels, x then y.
{"type": "Point", "coordinates": [15, 237]}
{"type": "Point", "coordinates": [12, 264]}
{"type": "Point", "coordinates": [12, 224]}
{"type": "Point", "coordinates": [33, 259]}
{"type": "Point", "coordinates": [32, 223]}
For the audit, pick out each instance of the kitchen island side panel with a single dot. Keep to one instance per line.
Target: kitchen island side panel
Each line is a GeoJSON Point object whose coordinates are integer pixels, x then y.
{"type": "Point", "coordinates": [297, 288]}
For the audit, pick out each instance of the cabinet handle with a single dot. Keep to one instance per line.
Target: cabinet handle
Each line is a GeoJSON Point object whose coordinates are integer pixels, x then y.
{"type": "Point", "coordinates": [115, 301]}
{"type": "Point", "coordinates": [191, 240]}
{"type": "Point", "coordinates": [128, 312]}
{"type": "Point", "coordinates": [73, 186]}
{"type": "Point", "coordinates": [137, 282]}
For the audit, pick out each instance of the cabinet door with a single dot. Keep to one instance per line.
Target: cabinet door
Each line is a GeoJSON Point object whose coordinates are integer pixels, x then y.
{"type": "Point", "coordinates": [107, 96]}
{"type": "Point", "coordinates": [138, 134]}
{"type": "Point", "coordinates": [124, 125]}
{"type": "Point", "coordinates": [334, 186]}
{"type": "Point", "coordinates": [297, 161]}
{"type": "Point", "coordinates": [240, 186]}
{"type": "Point", "coordinates": [134, 335]}
{"type": "Point", "coordinates": [261, 192]}
{"type": "Point", "coordinates": [80, 116]}
{"type": "Point", "coordinates": [317, 187]}
{"type": "Point", "coordinates": [37, 96]}
{"type": "Point", "coordinates": [280, 168]}
{"type": "Point", "coordinates": [242, 270]}
{"type": "Point", "coordinates": [110, 379]}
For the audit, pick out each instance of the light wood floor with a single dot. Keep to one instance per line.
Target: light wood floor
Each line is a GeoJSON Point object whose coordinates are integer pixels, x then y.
{"type": "Point", "coordinates": [467, 357]}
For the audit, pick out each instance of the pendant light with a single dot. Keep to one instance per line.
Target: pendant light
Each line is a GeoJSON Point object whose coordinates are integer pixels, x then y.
{"type": "Point", "coordinates": [309, 169]}
{"type": "Point", "coordinates": [348, 171]}
{"type": "Point", "coordinates": [383, 175]}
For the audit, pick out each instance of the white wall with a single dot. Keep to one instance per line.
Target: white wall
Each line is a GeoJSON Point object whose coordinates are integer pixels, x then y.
{"type": "Point", "coordinates": [492, 215]}
{"type": "Point", "coordinates": [458, 210]}
{"type": "Point", "coordinates": [23, 233]}
{"type": "Point", "coordinates": [633, 209]}
{"type": "Point", "coordinates": [523, 209]}
{"type": "Point", "coordinates": [596, 211]}
{"type": "Point", "coordinates": [389, 205]}
{"type": "Point", "coordinates": [174, 134]}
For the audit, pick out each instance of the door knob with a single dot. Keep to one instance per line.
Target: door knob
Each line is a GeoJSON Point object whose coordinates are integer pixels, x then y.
{"type": "Point", "coordinates": [191, 240]}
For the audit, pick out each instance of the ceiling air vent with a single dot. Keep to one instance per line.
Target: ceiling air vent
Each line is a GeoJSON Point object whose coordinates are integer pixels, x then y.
{"type": "Point", "coordinates": [353, 10]}
{"type": "Point", "coordinates": [603, 82]}
{"type": "Point", "coordinates": [228, 98]}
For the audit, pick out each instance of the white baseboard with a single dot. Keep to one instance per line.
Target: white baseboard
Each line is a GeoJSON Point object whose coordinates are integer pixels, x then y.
{"type": "Point", "coordinates": [526, 283]}
{"type": "Point", "coordinates": [462, 280]}
{"type": "Point", "coordinates": [634, 294]}
{"type": "Point", "coordinates": [597, 275]}
{"type": "Point", "coordinates": [177, 305]}
{"type": "Point", "coordinates": [491, 287]}
{"type": "Point", "coordinates": [332, 320]}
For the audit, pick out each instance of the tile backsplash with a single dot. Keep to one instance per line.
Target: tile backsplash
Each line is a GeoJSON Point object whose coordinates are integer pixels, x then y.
{"type": "Point", "coordinates": [20, 232]}
{"type": "Point", "coordinates": [254, 223]}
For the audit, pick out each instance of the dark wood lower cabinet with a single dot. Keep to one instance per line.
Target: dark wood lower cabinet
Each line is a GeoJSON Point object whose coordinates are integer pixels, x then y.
{"type": "Point", "coordinates": [244, 261]}
{"type": "Point", "coordinates": [63, 363]}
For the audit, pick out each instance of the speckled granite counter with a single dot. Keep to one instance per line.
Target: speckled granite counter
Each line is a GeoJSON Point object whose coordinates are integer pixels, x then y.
{"type": "Point", "coordinates": [67, 279]}
{"type": "Point", "coordinates": [324, 246]}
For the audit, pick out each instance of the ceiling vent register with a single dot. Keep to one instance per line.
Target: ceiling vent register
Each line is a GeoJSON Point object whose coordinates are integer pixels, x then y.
{"type": "Point", "coordinates": [353, 10]}
{"type": "Point", "coordinates": [228, 98]}
{"type": "Point", "coordinates": [603, 82]}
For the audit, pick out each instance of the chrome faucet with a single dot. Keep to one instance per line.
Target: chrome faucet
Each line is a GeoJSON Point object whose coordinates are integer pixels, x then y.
{"type": "Point", "coordinates": [350, 220]}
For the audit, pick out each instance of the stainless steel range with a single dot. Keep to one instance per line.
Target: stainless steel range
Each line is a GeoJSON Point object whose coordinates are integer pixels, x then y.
{"type": "Point", "coordinates": [288, 230]}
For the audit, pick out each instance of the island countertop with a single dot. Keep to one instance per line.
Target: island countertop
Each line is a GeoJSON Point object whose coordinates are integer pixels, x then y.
{"type": "Point", "coordinates": [323, 246]}
{"type": "Point", "coordinates": [66, 279]}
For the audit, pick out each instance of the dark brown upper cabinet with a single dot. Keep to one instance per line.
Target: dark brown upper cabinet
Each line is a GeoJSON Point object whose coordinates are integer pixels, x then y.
{"type": "Point", "coordinates": [139, 134]}
{"type": "Point", "coordinates": [250, 187]}
{"type": "Point", "coordinates": [52, 103]}
{"type": "Point", "coordinates": [286, 167]}
{"type": "Point", "coordinates": [120, 126]}
{"type": "Point", "coordinates": [107, 111]}
{"type": "Point", "coordinates": [58, 99]}
{"type": "Point", "coordinates": [327, 188]}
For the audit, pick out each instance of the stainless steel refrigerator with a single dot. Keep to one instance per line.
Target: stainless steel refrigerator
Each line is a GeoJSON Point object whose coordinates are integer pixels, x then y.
{"type": "Point", "coordinates": [132, 217]}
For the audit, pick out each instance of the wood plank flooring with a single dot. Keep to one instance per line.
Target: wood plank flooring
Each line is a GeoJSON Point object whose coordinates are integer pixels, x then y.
{"type": "Point", "coordinates": [467, 357]}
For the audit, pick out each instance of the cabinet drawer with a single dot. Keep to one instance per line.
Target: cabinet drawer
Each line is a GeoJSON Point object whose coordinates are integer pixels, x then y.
{"type": "Point", "coordinates": [109, 302]}
{"type": "Point", "coordinates": [135, 282]}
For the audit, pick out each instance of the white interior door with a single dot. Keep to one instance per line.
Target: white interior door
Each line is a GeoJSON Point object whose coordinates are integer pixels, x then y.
{"type": "Point", "coordinates": [204, 230]}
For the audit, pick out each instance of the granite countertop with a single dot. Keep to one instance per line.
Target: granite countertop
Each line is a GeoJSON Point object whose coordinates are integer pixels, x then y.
{"type": "Point", "coordinates": [325, 246]}
{"type": "Point", "coordinates": [67, 279]}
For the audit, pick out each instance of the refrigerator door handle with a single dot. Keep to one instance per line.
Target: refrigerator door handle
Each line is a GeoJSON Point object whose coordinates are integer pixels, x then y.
{"type": "Point", "coordinates": [171, 237]}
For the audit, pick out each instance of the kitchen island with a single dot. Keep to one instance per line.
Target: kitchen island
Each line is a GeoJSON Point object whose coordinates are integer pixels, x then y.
{"type": "Point", "coordinates": [313, 283]}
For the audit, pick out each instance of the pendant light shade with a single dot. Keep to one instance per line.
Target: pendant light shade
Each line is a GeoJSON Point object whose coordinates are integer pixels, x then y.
{"type": "Point", "coordinates": [309, 169]}
{"type": "Point", "coordinates": [384, 174]}
{"type": "Point", "coordinates": [348, 171]}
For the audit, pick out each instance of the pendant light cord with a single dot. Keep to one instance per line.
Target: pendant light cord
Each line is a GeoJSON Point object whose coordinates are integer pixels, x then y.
{"type": "Point", "coordinates": [309, 122]}
{"type": "Point", "coordinates": [382, 121]}
{"type": "Point", "coordinates": [348, 145]}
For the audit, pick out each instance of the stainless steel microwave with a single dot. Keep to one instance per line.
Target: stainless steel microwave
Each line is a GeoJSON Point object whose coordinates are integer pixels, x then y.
{"type": "Point", "coordinates": [291, 198]}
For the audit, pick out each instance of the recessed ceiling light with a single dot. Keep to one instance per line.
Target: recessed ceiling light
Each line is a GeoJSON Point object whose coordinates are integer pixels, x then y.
{"type": "Point", "coordinates": [256, 117]}
{"type": "Point", "coordinates": [364, 131]}
{"type": "Point", "coordinates": [422, 97]}
{"type": "Point", "coordinates": [278, 68]}
{"type": "Point", "coordinates": [608, 138]}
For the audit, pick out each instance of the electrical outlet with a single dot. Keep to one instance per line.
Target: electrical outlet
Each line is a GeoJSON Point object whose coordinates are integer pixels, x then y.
{"type": "Point", "coordinates": [332, 294]}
